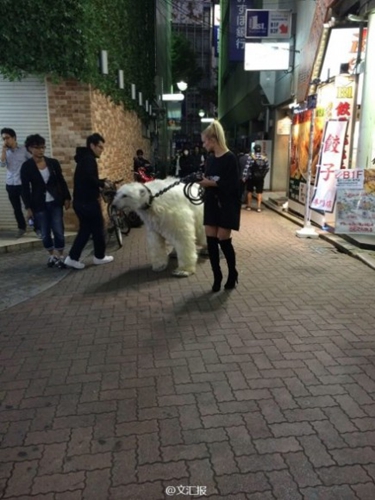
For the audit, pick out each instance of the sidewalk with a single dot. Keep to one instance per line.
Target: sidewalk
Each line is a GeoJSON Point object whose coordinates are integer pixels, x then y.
{"type": "Point", "coordinates": [366, 256]}
{"type": "Point", "coordinates": [120, 383]}
{"type": "Point", "coordinates": [23, 269]}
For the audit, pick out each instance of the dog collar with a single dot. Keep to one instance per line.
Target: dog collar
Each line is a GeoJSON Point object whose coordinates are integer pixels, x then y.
{"type": "Point", "coordinates": [151, 197]}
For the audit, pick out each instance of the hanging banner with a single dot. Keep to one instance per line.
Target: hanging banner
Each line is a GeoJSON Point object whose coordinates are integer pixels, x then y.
{"type": "Point", "coordinates": [216, 29]}
{"type": "Point", "coordinates": [355, 213]}
{"type": "Point", "coordinates": [330, 161]}
{"type": "Point", "coordinates": [237, 28]}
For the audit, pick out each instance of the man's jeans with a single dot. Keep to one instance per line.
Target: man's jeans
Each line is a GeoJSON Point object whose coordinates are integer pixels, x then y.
{"type": "Point", "coordinates": [51, 219]}
{"type": "Point", "coordinates": [14, 195]}
{"type": "Point", "coordinates": [90, 223]}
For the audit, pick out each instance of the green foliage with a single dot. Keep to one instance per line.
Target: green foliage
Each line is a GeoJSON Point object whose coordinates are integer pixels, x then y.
{"type": "Point", "coordinates": [184, 63]}
{"type": "Point", "coordinates": [63, 38]}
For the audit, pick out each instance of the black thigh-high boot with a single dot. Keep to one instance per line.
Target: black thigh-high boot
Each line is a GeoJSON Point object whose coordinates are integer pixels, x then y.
{"type": "Point", "coordinates": [213, 253]}
{"type": "Point", "coordinates": [230, 256]}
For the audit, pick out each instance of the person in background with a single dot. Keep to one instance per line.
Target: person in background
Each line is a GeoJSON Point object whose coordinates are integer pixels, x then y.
{"type": "Point", "coordinates": [254, 174]}
{"type": "Point", "coordinates": [222, 205]}
{"type": "Point", "coordinates": [140, 161]}
{"type": "Point", "coordinates": [186, 163]}
{"type": "Point", "coordinates": [177, 166]}
{"type": "Point", "coordinates": [198, 160]}
{"type": "Point", "coordinates": [12, 158]}
{"type": "Point", "coordinates": [45, 193]}
{"type": "Point", "coordinates": [243, 159]}
{"type": "Point", "coordinates": [86, 204]}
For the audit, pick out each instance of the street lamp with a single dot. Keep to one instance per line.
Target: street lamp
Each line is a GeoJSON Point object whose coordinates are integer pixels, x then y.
{"type": "Point", "coordinates": [182, 86]}
{"type": "Point", "coordinates": [201, 113]}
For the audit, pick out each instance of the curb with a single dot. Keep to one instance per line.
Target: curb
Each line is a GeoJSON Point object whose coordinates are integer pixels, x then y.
{"type": "Point", "coordinates": [16, 245]}
{"type": "Point", "coordinates": [338, 242]}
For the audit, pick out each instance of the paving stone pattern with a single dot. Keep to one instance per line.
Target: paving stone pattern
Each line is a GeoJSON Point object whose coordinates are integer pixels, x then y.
{"type": "Point", "coordinates": [118, 382]}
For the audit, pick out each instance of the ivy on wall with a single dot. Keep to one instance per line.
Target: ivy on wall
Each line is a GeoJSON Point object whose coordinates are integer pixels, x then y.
{"type": "Point", "coordinates": [63, 38]}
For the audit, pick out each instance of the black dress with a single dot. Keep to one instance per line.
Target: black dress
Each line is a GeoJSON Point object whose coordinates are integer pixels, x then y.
{"type": "Point", "coordinates": [222, 204]}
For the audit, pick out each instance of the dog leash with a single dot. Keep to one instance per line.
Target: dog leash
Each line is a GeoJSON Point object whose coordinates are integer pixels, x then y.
{"type": "Point", "coordinates": [189, 180]}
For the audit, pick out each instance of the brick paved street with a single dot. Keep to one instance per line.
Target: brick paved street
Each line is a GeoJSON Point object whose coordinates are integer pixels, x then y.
{"type": "Point", "coordinates": [118, 382]}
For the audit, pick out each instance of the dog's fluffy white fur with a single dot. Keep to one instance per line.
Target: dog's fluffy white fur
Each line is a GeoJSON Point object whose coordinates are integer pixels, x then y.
{"type": "Point", "coordinates": [170, 218]}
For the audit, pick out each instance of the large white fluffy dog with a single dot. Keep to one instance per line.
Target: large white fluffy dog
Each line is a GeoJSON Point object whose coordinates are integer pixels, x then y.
{"type": "Point", "coordinates": [170, 218]}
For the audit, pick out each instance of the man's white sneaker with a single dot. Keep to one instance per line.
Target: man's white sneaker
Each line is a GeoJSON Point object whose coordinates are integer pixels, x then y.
{"type": "Point", "coordinates": [74, 263]}
{"type": "Point", "coordinates": [105, 260]}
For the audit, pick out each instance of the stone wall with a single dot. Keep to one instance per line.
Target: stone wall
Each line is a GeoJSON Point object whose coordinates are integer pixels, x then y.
{"type": "Point", "coordinates": [76, 111]}
{"type": "Point", "coordinates": [122, 131]}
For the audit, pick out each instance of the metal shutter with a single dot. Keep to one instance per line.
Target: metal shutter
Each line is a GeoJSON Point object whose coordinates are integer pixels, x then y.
{"type": "Point", "coordinates": [24, 108]}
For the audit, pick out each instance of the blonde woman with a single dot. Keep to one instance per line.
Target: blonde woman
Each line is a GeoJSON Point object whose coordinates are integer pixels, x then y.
{"type": "Point", "coordinates": [222, 205]}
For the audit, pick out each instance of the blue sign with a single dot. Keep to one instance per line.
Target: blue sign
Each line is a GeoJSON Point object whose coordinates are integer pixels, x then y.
{"type": "Point", "coordinates": [257, 23]}
{"type": "Point", "coordinates": [216, 34]}
{"type": "Point", "coordinates": [237, 28]}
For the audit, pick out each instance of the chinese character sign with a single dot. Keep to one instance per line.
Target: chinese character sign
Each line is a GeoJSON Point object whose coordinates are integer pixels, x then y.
{"type": "Point", "coordinates": [355, 211]}
{"type": "Point", "coordinates": [330, 161]}
{"type": "Point", "coordinates": [237, 20]}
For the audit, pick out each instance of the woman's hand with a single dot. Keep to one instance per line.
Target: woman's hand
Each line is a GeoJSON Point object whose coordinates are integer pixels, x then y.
{"type": "Point", "coordinates": [207, 182]}
{"type": "Point", "coordinates": [67, 204]}
{"type": "Point", "coordinates": [30, 214]}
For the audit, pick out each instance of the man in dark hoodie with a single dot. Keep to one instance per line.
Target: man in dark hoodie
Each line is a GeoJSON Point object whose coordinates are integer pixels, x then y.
{"type": "Point", "coordinates": [86, 203]}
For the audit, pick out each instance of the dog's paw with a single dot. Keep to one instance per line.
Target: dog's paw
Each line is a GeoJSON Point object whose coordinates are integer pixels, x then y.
{"type": "Point", "coordinates": [160, 268]}
{"type": "Point", "coordinates": [179, 273]}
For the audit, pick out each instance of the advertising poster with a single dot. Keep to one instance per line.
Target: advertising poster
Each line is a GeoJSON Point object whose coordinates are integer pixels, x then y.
{"type": "Point", "coordinates": [299, 154]}
{"type": "Point", "coordinates": [355, 212]}
{"type": "Point", "coordinates": [174, 116]}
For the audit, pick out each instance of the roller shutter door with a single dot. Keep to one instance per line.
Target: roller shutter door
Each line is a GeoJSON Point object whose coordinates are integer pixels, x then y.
{"type": "Point", "coordinates": [24, 108]}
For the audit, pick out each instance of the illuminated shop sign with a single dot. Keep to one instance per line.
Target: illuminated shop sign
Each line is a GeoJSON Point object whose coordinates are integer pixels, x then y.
{"type": "Point", "coordinates": [341, 52]}
{"type": "Point", "coordinates": [268, 23]}
{"type": "Point", "coordinates": [266, 56]}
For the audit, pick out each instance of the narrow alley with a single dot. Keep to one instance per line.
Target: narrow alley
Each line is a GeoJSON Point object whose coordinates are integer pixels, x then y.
{"type": "Point", "coordinates": [120, 383]}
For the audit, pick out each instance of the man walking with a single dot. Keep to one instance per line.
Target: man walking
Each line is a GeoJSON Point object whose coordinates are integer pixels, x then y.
{"type": "Point", "coordinates": [86, 203]}
{"type": "Point", "coordinates": [12, 158]}
{"type": "Point", "coordinates": [254, 173]}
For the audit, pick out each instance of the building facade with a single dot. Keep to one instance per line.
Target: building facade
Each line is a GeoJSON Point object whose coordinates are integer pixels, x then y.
{"type": "Point", "coordinates": [65, 113]}
{"type": "Point", "coordinates": [271, 106]}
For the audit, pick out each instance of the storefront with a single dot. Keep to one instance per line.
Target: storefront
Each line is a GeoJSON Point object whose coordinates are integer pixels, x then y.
{"type": "Point", "coordinates": [333, 138]}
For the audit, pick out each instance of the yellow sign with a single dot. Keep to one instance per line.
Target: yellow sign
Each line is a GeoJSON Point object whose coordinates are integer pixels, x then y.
{"type": "Point", "coordinates": [345, 92]}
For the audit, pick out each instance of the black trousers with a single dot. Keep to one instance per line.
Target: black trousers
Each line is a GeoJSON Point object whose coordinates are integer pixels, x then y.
{"type": "Point", "coordinates": [14, 195]}
{"type": "Point", "coordinates": [90, 223]}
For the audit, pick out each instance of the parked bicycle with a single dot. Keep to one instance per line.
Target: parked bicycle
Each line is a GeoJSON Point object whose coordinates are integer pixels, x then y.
{"type": "Point", "coordinates": [118, 221]}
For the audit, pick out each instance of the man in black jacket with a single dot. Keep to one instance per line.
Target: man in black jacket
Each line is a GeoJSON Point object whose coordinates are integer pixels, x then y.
{"type": "Point", "coordinates": [86, 203]}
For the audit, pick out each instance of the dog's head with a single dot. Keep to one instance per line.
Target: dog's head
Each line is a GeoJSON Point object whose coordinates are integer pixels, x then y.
{"type": "Point", "coordinates": [134, 196]}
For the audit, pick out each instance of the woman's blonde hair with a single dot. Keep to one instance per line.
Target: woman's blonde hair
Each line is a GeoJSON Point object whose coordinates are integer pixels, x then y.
{"type": "Point", "coordinates": [216, 131]}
